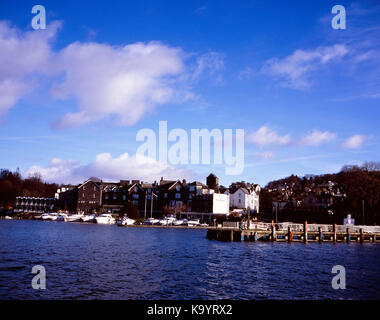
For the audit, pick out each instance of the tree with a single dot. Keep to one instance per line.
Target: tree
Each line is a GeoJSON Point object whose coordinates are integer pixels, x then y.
{"type": "Point", "coordinates": [131, 211]}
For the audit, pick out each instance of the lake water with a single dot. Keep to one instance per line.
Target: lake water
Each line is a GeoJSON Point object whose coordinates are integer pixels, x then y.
{"type": "Point", "coordinates": [89, 261]}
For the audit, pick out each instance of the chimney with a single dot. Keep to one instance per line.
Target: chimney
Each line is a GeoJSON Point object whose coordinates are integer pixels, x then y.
{"type": "Point", "coordinates": [184, 182]}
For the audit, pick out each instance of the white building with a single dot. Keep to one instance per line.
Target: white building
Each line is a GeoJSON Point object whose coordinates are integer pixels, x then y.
{"type": "Point", "coordinates": [220, 203]}
{"type": "Point", "coordinates": [244, 198]}
{"type": "Point", "coordinates": [211, 203]}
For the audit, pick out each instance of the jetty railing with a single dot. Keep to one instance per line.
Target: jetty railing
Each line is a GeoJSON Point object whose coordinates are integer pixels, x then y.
{"type": "Point", "coordinates": [288, 231]}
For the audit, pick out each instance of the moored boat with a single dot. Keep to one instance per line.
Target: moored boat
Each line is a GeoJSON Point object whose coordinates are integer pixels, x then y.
{"type": "Point", "coordinates": [88, 218]}
{"type": "Point", "coordinates": [62, 217]}
{"type": "Point", "coordinates": [178, 222]}
{"type": "Point", "coordinates": [125, 221]}
{"type": "Point", "coordinates": [74, 217]}
{"type": "Point", "coordinates": [105, 218]}
{"type": "Point", "coordinates": [151, 221]}
{"type": "Point", "coordinates": [193, 222]}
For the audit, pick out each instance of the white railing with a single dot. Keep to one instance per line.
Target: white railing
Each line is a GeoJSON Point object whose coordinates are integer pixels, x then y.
{"type": "Point", "coordinates": [312, 227]}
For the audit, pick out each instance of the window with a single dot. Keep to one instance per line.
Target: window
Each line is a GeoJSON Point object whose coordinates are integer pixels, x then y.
{"type": "Point", "coordinates": [84, 187]}
{"type": "Point", "coordinates": [94, 188]}
{"type": "Point", "coordinates": [115, 190]}
{"type": "Point", "coordinates": [136, 189]}
{"type": "Point", "coordinates": [178, 188]}
{"type": "Point", "coordinates": [114, 196]}
{"type": "Point", "coordinates": [106, 197]}
{"type": "Point", "coordinates": [149, 190]}
{"type": "Point", "coordinates": [192, 188]}
{"type": "Point", "coordinates": [94, 195]}
{"type": "Point", "coordinates": [124, 197]}
{"type": "Point", "coordinates": [178, 196]}
{"type": "Point", "coordinates": [83, 195]}
{"type": "Point", "coordinates": [165, 195]}
{"type": "Point", "coordinates": [135, 196]}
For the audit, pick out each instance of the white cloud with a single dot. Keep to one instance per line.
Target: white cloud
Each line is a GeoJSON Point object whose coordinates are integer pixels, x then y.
{"type": "Point", "coordinates": [126, 81]}
{"type": "Point", "coordinates": [266, 155]}
{"type": "Point", "coordinates": [353, 142]}
{"type": "Point", "coordinates": [23, 57]}
{"type": "Point", "coordinates": [265, 136]}
{"type": "Point", "coordinates": [108, 168]}
{"type": "Point", "coordinates": [316, 138]}
{"type": "Point", "coordinates": [211, 63]}
{"type": "Point", "coordinates": [292, 71]}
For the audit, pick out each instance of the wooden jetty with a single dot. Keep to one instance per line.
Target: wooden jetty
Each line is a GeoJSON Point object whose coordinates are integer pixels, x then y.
{"type": "Point", "coordinates": [289, 232]}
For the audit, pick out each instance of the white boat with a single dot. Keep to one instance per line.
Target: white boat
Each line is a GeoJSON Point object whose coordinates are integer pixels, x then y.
{"type": "Point", "coordinates": [179, 222]}
{"type": "Point", "coordinates": [105, 218]}
{"type": "Point", "coordinates": [151, 221]}
{"type": "Point", "coordinates": [204, 225]}
{"type": "Point", "coordinates": [62, 217]}
{"type": "Point", "coordinates": [53, 216]}
{"type": "Point", "coordinates": [49, 216]}
{"type": "Point", "coordinates": [164, 222]}
{"type": "Point", "coordinates": [125, 221]}
{"type": "Point", "coordinates": [167, 221]}
{"type": "Point", "coordinates": [45, 216]}
{"type": "Point", "coordinates": [74, 218]}
{"type": "Point", "coordinates": [193, 222]}
{"type": "Point", "coordinates": [8, 218]}
{"type": "Point", "coordinates": [88, 218]}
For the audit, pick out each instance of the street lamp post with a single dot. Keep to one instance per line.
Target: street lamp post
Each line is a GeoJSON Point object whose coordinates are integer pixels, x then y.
{"type": "Point", "coordinates": [363, 210]}
{"type": "Point", "coordinates": [145, 207]}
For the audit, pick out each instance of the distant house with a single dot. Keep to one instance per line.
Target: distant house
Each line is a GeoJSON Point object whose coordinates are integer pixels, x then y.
{"type": "Point", "coordinates": [213, 203]}
{"type": "Point", "coordinates": [212, 181]}
{"type": "Point", "coordinates": [34, 204]}
{"type": "Point", "coordinates": [90, 195]}
{"type": "Point", "coordinates": [67, 198]}
{"type": "Point", "coordinates": [172, 194]}
{"type": "Point", "coordinates": [244, 198]}
{"type": "Point", "coordinates": [194, 189]}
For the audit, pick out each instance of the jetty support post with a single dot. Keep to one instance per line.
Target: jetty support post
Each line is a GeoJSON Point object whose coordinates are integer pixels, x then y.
{"type": "Point", "coordinates": [334, 232]}
{"type": "Point", "coordinates": [361, 235]}
{"type": "Point", "coordinates": [305, 231]}
{"type": "Point", "coordinates": [320, 234]}
{"type": "Point", "coordinates": [348, 235]}
{"type": "Point", "coordinates": [290, 235]}
{"type": "Point", "coordinates": [232, 235]}
{"type": "Point", "coordinates": [274, 236]}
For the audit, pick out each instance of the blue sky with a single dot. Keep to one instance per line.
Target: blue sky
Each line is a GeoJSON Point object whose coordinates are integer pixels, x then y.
{"type": "Point", "coordinates": [73, 96]}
